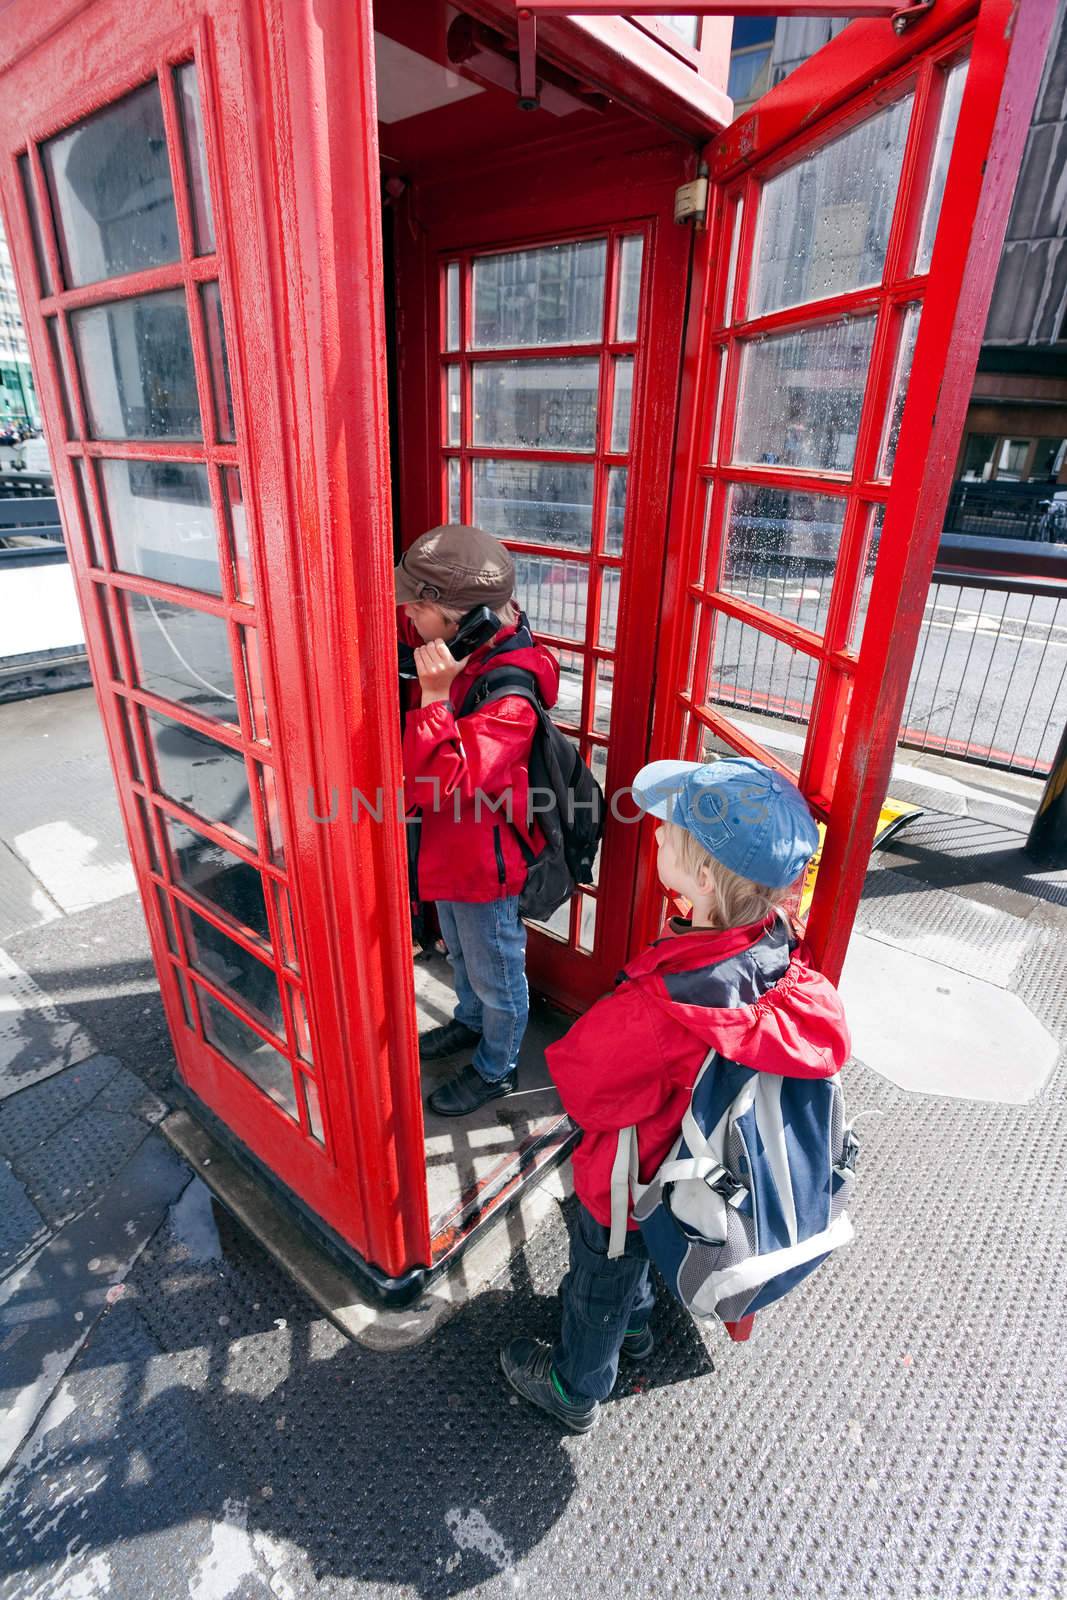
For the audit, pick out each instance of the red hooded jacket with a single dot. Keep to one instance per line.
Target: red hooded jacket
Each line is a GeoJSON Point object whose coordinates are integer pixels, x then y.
{"type": "Point", "coordinates": [633, 1058]}
{"type": "Point", "coordinates": [453, 766]}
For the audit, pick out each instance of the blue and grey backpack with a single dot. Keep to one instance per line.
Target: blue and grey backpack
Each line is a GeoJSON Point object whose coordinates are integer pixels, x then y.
{"type": "Point", "coordinates": [751, 1197]}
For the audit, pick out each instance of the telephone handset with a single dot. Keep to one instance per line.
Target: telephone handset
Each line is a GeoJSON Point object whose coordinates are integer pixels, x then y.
{"type": "Point", "coordinates": [476, 628]}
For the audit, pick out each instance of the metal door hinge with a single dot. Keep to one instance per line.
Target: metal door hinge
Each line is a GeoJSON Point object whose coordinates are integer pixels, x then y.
{"type": "Point", "coordinates": [910, 13]}
{"type": "Point", "coordinates": [691, 201]}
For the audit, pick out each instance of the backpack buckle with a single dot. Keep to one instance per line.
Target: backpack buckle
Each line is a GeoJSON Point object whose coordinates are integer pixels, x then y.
{"type": "Point", "coordinates": [849, 1151]}
{"type": "Point", "coordinates": [726, 1186]}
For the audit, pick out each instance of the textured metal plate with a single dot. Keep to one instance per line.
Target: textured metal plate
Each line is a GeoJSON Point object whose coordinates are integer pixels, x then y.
{"type": "Point", "coordinates": [948, 928]}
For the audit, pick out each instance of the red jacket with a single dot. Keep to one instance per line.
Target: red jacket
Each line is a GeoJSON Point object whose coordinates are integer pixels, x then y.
{"type": "Point", "coordinates": [634, 1057]}
{"type": "Point", "coordinates": [469, 851]}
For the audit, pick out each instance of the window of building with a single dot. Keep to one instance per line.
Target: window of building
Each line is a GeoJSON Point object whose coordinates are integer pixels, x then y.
{"type": "Point", "coordinates": [1048, 460]}
{"type": "Point", "coordinates": [978, 456]}
{"type": "Point", "coordinates": [1012, 459]}
{"type": "Point", "coordinates": [750, 59]}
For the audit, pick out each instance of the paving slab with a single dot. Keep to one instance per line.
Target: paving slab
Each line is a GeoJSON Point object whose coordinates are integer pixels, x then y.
{"type": "Point", "coordinates": [932, 1029]}
{"type": "Point", "coordinates": [37, 1037]}
{"type": "Point", "coordinates": [49, 1305]}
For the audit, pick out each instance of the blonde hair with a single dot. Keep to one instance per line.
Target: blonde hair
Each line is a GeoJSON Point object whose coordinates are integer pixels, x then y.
{"type": "Point", "coordinates": [735, 901]}
{"type": "Point", "coordinates": [508, 613]}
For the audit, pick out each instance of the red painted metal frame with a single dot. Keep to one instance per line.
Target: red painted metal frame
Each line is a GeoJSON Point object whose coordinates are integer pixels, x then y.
{"type": "Point", "coordinates": [856, 710]}
{"type": "Point", "coordinates": [289, 127]}
{"type": "Point", "coordinates": [607, 185]}
{"type": "Point", "coordinates": [624, 61]}
{"type": "Point", "coordinates": [711, 8]}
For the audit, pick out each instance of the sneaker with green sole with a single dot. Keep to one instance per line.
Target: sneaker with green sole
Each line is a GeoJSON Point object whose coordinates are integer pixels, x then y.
{"type": "Point", "coordinates": [527, 1365]}
{"type": "Point", "coordinates": [638, 1344]}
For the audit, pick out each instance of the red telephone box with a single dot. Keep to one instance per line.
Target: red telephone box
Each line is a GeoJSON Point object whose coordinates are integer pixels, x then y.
{"type": "Point", "coordinates": [668, 422]}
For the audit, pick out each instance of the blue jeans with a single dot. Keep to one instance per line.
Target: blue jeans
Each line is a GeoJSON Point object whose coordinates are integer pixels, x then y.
{"type": "Point", "coordinates": [601, 1301]}
{"type": "Point", "coordinates": [487, 948]}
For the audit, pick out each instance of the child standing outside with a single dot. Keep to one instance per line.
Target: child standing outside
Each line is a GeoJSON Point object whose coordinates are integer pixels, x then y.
{"type": "Point", "coordinates": [733, 838]}
{"type": "Point", "coordinates": [456, 770]}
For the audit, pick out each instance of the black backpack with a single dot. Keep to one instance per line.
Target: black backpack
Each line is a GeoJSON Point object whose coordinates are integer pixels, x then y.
{"type": "Point", "coordinates": [568, 803]}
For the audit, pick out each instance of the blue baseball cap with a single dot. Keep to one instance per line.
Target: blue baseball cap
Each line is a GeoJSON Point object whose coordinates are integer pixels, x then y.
{"type": "Point", "coordinates": [745, 814]}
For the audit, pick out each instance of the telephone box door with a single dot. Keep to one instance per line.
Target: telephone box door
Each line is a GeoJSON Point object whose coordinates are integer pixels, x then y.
{"type": "Point", "coordinates": [855, 222]}
{"type": "Point", "coordinates": [168, 190]}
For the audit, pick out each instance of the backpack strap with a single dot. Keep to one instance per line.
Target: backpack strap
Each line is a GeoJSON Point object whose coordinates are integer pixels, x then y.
{"type": "Point", "coordinates": [497, 685]}
{"type": "Point", "coordinates": [623, 1187]}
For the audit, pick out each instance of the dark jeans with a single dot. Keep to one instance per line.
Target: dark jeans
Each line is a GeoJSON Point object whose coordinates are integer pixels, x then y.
{"type": "Point", "coordinates": [601, 1299]}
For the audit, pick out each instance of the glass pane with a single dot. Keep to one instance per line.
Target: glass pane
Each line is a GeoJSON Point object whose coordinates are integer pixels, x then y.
{"type": "Point", "coordinates": [765, 686]}
{"type": "Point", "coordinates": [455, 514]}
{"type": "Point", "coordinates": [272, 811]}
{"type": "Point", "coordinates": [686, 28]}
{"type": "Point", "coordinates": [124, 714]}
{"type": "Point", "coordinates": [622, 403]}
{"type": "Point", "coordinates": [109, 179]}
{"type": "Point", "coordinates": [553, 295]}
{"type": "Point", "coordinates": [183, 655]}
{"type": "Point", "coordinates": [163, 901]}
{"type": "Point", "coordinates": [978, 457]}
{"type": "Point", "coordinates": [452, 334]}
{"type": "Point", "coordinates": [610, 585]}
{"type": "Point", "coordinates": [254, 684]}
{"type": "Point", "coordinates": [539, 405]}
{"type": "Point", "coordinates": [161, 521]}
{"type": "Point", "coordinates": [231, 968]}
{"type": "Point", "coordinates": [311, 1103]}
{"type": "Point", "coordinates": [195, 158]}
{"type": "Point", "coordinates": [605, 684]}
{"type": "Point", "coordinates": [44, 274]}
{"type": "Point", "coordinates": [568, 706]}
{"type": "Point", "coordinates": [901, 377]}
{"type": "Point", "coordinates": [554, 594]}
{"type": "Point", "coordinates": [144, 811]}
{"type": "Point", "coordinates": [105, 617]}
{"type": "Point", "coordinates": [558, 925]}
{"type": "Point", "coordinates": [82, 468]}
{"type": "Point", "coordinates": [631, 252]}
{"type": "Point", "coordinates": [301, 1030]}
{"type": "Point", "coordinates": [946, 133]}
{"type": "Point", "coordinates": [201, 774]}
{"type": "Point", "coordinates": [240, 555]}
{"type": "Point", "coordinates": [184, 993]}
{"type": "Point", "coordinates": [218, 362]}
{"type": "Point", "coordinates": [781, 550]}
{"type": "Point", "coordinates": [539, 501]}
{"type": "Point", "coordinates": [824, 222]}
{"type": "Point", "coordinates": [801, 396]}
{"type": "Point", "coordinates": [258, 1060]}
{"type": "Point", "coordinates": [616, 518]}
{"type": "Point", "coordinates": [137, 368]}
{"type": "Point", "coordinates": [452, 424]}
{"type": "Point", "coordinates": [52, 325]}
{"type": "Point", "coordinates": [872, 541]}
{"type": "Point", "coordinates": [218, 876]}
{"type": "Point", "coordinates": [702, 559]}
{"type": "Point", "coordinates": [731, 271]}
{"type": "Point", "coordinates": [587, 924]}
{"type": "Point", "coordinates": [284, 915]}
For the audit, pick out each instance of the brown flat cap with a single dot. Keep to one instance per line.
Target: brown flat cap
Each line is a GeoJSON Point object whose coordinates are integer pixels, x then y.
{"type": "Point", "coordinates": [457, 567]}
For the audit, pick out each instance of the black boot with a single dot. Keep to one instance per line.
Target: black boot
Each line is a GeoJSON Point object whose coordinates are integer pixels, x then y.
{"type": "Point", "coordinates": [448, 1040]}
{"type": "Point", "coordinates": [468, 1091]}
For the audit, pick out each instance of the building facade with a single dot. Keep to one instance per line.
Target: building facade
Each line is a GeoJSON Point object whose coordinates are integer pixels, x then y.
{"type": "Point", "coordinates": [18, 399]}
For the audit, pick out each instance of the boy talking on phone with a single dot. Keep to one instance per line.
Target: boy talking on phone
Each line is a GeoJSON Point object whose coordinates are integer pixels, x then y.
{"type": "Point", "coordinates": [457, 771]}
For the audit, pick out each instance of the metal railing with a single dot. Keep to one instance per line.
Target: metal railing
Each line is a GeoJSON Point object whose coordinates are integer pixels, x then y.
{"type": "Point", "coordinates": [1008, 511]}
{"type": "Point", "coordinates": [989, 681]}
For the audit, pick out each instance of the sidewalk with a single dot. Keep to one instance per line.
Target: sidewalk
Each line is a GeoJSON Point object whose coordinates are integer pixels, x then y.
{"type": "Point", "coordinates": [179, 1421]}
